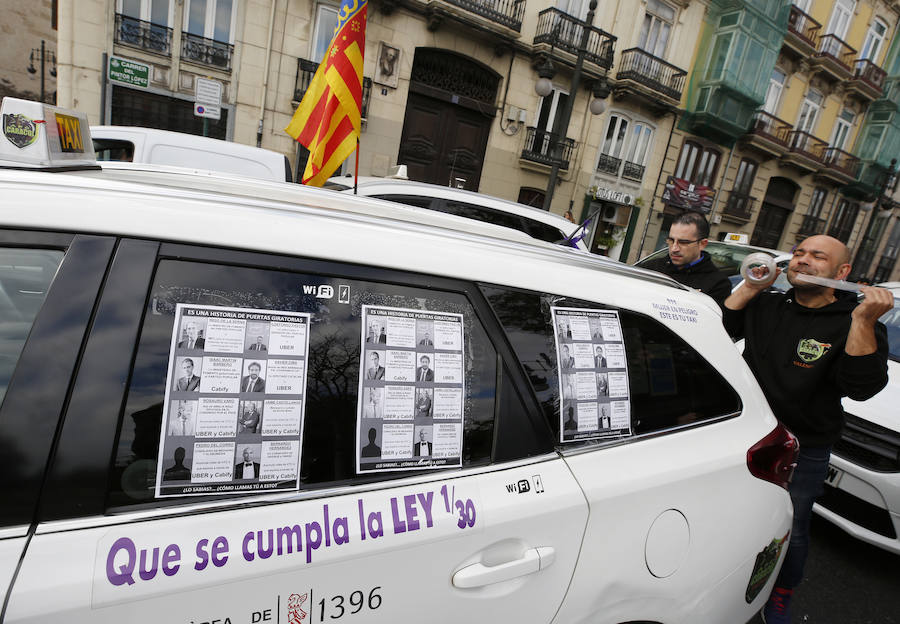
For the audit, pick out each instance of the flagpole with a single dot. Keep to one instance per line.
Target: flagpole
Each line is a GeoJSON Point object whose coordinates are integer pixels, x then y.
{"type": "Point", "coordinates": [356, 173]}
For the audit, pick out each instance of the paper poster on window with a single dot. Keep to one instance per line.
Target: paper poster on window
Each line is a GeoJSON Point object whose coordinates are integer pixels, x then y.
{"type": "Point", "coordinates": [234, 406]}
{"type": "Point", "coordinates": [593, 374]}
{"type": "Point", "coordinates": [411, 390]}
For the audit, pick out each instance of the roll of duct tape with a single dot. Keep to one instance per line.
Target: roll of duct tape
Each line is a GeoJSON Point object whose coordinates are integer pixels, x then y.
{"type": "Point", "coordinates": [758, 268]}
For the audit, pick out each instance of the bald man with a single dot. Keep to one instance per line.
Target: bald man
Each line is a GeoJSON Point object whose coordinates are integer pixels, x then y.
{"type": "Point", "coordinates": [808, 348]}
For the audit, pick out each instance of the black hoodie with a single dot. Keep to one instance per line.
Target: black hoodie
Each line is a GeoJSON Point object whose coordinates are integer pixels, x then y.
{"type": "Point", "coordinates": [704, 276]}
{"type": "Point", "coordinates": [797, 354]}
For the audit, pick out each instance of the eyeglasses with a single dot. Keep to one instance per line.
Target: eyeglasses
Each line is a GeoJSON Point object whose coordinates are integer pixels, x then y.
{"type": "Point", "coordinates": [681, 242]}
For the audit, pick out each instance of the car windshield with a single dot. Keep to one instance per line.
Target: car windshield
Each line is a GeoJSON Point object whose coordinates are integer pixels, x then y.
{"type": "Point", "coordinates": [726, 257]}
{"type": "Point", "coordinates": [891, 319]}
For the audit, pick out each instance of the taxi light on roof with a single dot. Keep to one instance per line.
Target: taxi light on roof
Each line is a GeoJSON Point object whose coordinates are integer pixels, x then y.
{"type": "Point", "coordinates": [35, 134]}
{"type": "Point", "coordinates": [737, 237]}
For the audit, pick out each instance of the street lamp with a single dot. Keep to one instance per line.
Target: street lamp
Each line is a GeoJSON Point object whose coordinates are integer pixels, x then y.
{"type": "Point", "coordinates": [544, 87]}
{"type": "Point", "coordinates": [43, 58]}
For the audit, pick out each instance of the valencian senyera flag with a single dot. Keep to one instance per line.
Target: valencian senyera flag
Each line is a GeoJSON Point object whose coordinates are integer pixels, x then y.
{"type": "Point", "coordinates": [327, 121]}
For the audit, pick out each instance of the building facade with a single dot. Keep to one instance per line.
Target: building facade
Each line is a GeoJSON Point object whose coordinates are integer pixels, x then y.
{"type": "Point", "coordinates": [750, 110]}
{"type": "Point", "coordinates": [28, 53]}
{"type": "Point", "coordinates": [773, 127]}
{"type": "Point", "coordinates": [449, 87]}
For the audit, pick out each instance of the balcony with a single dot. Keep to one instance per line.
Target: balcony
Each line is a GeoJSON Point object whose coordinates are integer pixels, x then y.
{"type": "Point", "coordinates": [490, 13]}
{"type": "Point", "coordinates": [609, 165]}
{"type": "Point", "coordinates": [840, 167]}
{"type": "Point", "coordinates": [650, 78]}
{"type": "Point", "coordinates": [557, 30]}
{"type": "Point", "coordinates": [811, 226]}
{"type": "Point", "coordinates": [306, 69]}
{"type": "Point", "coordinates": [633, 171]}
{"type": "Point", "coordinates": [206, 51]}
{"type": "Point", "coordinates": [768, 134]}
{"type": "Point", "coordinates": [867, 83]}
{"type": "Point", "coordinates": [802, 33]}
{"type": "Point", "coordinates": [833, 58]}
{"type": "Point", "coordinates": [144, 35]}
{"type": "Point", "coordinates": [805, 152]}
{"type": "Point", "coordinates": [739, 207]}
{"type": "Point", "coordinates": [539, 148]}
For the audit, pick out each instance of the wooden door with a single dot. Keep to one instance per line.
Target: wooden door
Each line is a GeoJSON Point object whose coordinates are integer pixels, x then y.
{"type": "Point", "coordinates": [443, 143]}
{"type": "Point", "coordinates": [769, 226]}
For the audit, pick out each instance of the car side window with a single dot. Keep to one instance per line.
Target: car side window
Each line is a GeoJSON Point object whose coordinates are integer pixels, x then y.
{"type": "Point", "coordinates": [670, 384]}
{"type": "Point", "coordinates": [329, 441]}
{"type": "Point", "coordinates": [25, 277]}
{"type": "Point", "coordinates": [411, 200]}
{"type": "Point", "coordinates": [488, 215]}
{"type": "Point", "coordinates": [544, 232]}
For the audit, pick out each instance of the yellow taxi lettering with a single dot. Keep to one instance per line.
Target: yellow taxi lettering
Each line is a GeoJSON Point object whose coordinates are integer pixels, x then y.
{"type": "Point", "coordinates": [69, 129]}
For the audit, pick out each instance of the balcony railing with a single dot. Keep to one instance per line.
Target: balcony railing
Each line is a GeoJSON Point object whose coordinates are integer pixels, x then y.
{"type": "Point", "coordinates": [633, 171]}
{"type": "Point", "coordinates": [306, 69]}
{"type": "Point", "coordinates": [870, 73]}
{"type": "Point", "coordinates": [841, 161]}
{"type": "Point", "coordinates": [539, 148]}
{"type": "Point", "coordinates": [609, 164]}
{"type": "Point", "coordinates": [739, 205]}
{"type": "Point", "coordinates": [206, 51]}
{"type": "Point", "coordinates": [771, 128]}
{"type": "Point", "coordinates": [803, 26]}
{"type": "Point", "coordinates": [651, 71]}
{"type": "Point", "coordinates": [151, 37]}
{"type": "Point", "coordinates": [504, 12]}
{"type": "Point", "coordinates": [811, 226]}
{"type": "Point", "coordinates": [807, 145]}
{"type": "Point", "coordinates": [563, 31]}
{"type": "Point", "coordinates": [831, 46]}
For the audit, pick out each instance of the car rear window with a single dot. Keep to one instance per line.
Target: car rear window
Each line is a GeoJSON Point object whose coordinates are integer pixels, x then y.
{"type": "Point", "coordinates": [669, 384]}
{"type": "Point", "coordinates": [533, 228]}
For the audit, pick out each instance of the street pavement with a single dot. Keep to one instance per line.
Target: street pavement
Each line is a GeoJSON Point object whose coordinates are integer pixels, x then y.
{"type": "Point", "coordinates": [846, 581]}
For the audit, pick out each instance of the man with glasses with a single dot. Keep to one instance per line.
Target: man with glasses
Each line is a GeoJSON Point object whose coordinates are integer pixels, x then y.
{"type": "Point", "coordinates": [687, 263]}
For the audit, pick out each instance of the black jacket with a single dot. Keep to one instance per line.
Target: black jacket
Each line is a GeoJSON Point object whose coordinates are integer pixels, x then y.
{"type": "Point", "coordinates": [704, 276]}
{"type": "Point", "coordinates": [798, 357]}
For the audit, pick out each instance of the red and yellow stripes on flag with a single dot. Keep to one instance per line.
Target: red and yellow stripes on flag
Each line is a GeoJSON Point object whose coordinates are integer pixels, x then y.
{"type": "Point", "coordinates": [327, 121]}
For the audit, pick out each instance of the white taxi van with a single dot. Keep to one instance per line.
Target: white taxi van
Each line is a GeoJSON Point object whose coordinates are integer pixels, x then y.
{"type": "Point", "coordinates": [227, 407]}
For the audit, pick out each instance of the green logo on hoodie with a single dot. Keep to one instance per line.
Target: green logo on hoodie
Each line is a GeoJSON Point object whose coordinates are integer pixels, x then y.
{"type": "Point", "coordinates": [811, 350]}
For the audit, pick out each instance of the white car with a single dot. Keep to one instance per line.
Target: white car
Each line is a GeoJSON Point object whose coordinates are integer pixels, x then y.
{"type": "Point", "coordinates": [535, 222]}
{"type": "Point", "coordinates": [263, 403]}
{"type": "Point", "coordinates": [179, 149]}
{"type": "Point", "coordinates": [862, 494]}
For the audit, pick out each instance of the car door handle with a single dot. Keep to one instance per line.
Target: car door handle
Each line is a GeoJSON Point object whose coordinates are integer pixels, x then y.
{"type": "Point", "coordinates": [478, 574]}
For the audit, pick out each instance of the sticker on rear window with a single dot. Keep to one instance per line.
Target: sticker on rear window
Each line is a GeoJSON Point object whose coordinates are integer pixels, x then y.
{"type": "Point", "coordinates": [234, 406]}
{"type": "Point", "coordinates": [411, 390]}
{"type": "Point", "coordinates": [593, 374]}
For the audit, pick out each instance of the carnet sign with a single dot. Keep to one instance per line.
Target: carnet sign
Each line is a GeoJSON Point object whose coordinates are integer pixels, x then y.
{"type": "Point", "coordinates": [129, 72]}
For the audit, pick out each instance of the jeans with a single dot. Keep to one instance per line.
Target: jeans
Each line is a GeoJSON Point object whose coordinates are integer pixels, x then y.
{"type": "Point", "coordinates": [807, 484]}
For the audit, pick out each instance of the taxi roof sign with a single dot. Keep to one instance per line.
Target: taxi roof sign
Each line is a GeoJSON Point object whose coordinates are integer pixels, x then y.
{"type": "Point", "coordinates": [737, 237]}
{"type": "Point", "coordinates": [35, 134]}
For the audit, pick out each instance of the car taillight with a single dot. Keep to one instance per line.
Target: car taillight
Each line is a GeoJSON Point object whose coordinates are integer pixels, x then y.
{"type": "Point", "coordinates": [774, 457]}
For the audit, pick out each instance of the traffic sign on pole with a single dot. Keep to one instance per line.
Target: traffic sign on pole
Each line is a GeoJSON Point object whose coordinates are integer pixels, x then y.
{"type": "Point", "coordinates": [207, 110]}
{"type": "Point", "coordinates": [208, 98]}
